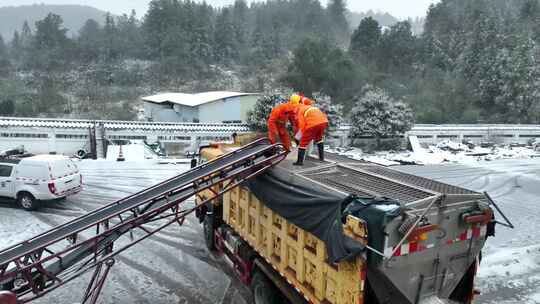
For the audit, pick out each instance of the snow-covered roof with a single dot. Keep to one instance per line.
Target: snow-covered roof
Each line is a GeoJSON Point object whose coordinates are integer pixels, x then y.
{"type": "Point", "coordinates": [120, 125]}
{"type": "Point", "coordinates": [193, 100]}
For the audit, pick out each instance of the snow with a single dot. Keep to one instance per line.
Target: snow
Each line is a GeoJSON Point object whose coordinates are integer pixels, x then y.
{"type": "Point", "coordinates": [445, 151]}
{"type": "Point", "coordinates": [135, 151]}
{"type": "Point", "coordinates": [193, 100]}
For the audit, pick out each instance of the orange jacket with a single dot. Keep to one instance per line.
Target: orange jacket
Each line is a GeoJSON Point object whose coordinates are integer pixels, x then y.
{"type": "Point", "coordinates": [309, 116]}
{"type": "Point", "coordinates": [283, 113]}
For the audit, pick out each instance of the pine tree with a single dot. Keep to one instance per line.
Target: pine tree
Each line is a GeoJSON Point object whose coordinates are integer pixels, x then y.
{"type": "Point", "coordinates": [89, 41]}
{"type": "Point", "coordinates": [225, 43]}
{"type": "Point", "coordinates": [4, 58]}
{"type": "Point", "coordinates": [337, 10]}
{"type": "Point", "coordinates": [365, 40]}
{"type": "Point", "coordinates": [110, 39]}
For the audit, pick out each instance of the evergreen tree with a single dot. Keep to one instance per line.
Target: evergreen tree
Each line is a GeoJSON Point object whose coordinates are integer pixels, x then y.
{"type": "Point", "coordinates": [365, 40]}
{"type": "Point", "coordinates": [50, 45]}
{"type": "Point", "coordinates": [337, 10]}
{"type": "Point", "coordinates": [4, 58]}
{"type": "Point", "coordinates": [225, 43]}
{"type": "Point", "coordinates": [89, 41]}
{"type": "Point", "coordinates": [110, 39]}
{"type": "Point", "coordinates": [397, 49]}
{"type": "Point", "coordinates": [308, 71]}
{"type": "Point", "coordinates": [240, 16]}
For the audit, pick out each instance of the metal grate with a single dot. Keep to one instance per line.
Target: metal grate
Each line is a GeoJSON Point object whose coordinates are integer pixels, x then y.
{"type": "Point", "coordinates": [410, 179]}
{"type": "Point", "coordinates": [365, 184]}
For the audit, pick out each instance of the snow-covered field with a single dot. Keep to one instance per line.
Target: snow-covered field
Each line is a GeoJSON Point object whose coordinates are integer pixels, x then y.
{"type": "Point", "coordinates": [175, 267]}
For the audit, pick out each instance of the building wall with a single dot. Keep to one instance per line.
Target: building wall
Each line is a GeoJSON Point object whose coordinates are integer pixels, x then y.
{"type": "Point", "coordinates": [227, 110]}
{"type": "Point", "coordinates": [248, 103]}
{"type": "Point", "coordinates": [170, 113]}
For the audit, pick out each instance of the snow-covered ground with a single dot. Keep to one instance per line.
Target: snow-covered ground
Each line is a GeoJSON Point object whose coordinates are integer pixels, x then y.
{"type": "Point", "coordinates": [170, 267]}
{"type": "Point", "coordinates": [444, 152]}
{"type": "Point", "coordinates": [175, 267]}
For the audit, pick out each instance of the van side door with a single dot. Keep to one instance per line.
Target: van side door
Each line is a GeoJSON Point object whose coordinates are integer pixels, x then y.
{"type": "Point", "coordinates": [6, 180]}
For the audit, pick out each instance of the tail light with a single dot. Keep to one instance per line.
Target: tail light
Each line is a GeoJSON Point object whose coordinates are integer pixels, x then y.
{"type": "Point", "coordinates": [475, 217]}
{"type": "Point", "coordinates": [52, 188]}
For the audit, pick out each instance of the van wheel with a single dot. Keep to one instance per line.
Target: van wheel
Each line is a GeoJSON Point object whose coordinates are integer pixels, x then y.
{"type": "Point", "coordinates": [264, 291]}
{"type": "Point", "coordinates": [208, 228]}
{"type": "Point", "coordinates": [27, 201]}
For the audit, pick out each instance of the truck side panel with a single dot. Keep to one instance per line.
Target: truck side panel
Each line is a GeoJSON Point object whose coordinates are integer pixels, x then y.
{"type": "Point", "coordinates": [296, 254]}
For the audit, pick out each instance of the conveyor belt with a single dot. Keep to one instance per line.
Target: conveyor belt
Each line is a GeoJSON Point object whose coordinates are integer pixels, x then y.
{"type": "Point", "coordinates": [145, 206]}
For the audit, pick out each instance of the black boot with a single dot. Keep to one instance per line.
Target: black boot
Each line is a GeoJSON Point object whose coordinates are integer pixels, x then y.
{"type": "Point", "coordinates": [321, 151]}
{"type": "Point", "coordinates": [301, 155]}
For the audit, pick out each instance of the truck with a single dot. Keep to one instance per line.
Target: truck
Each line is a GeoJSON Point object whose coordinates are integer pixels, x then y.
{"type": "Point", "coordinates": [342, 231]}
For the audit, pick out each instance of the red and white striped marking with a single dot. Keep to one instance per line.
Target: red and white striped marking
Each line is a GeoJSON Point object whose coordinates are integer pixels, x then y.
{"type": "Point", "coordinates": [474, 231]}
{"type": "Point", "coordinates": [407, 249]}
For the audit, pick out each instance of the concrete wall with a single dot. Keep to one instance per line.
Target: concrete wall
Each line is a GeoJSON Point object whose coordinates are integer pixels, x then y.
{"type": "Point", "coordinates": [230, 109]}
{"type": "Point", "coordinates": [432, 134]}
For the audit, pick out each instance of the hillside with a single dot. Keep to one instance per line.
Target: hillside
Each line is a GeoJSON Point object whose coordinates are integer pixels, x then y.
{"type": "Point", "coordinates": [74, 16]}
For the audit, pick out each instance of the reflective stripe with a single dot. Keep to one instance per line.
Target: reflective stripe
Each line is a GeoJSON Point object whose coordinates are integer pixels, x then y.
{"type": "Point", "coordinates": [309, 110]}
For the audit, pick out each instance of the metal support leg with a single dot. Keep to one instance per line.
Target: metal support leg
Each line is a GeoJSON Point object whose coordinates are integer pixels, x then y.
{"type": "Point", "coordinates": [96, 283]}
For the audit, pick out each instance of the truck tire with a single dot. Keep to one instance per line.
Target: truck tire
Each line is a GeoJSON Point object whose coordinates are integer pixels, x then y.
{"type": "Point", "coordinates": [27, 201]}
{"type": "Point", "coordinates": [264, 291]}
{"type": "Point", "coordinates": [208, 228]}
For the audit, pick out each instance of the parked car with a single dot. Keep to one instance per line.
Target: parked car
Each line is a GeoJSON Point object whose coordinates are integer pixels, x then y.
{"type": "Point", "coordinates": [39, 178]}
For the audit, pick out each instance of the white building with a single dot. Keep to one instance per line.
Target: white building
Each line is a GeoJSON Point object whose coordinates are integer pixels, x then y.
{"type": "Point", "coordinates": [209, 107]}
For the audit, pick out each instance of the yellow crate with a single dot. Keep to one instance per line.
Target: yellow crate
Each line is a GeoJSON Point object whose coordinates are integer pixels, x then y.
{"type": "Point", "coordinates": [297, 255]}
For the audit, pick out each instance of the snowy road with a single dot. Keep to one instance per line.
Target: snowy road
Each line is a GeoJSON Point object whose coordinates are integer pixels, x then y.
{"type": "Point", "coordinates": [170, 267]}
{"type": "Point", "coordinates": [175, 267]}
{"type": "Point", "coordinates": [510, 269]}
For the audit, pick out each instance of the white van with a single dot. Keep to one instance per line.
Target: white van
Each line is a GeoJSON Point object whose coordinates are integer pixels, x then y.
{"type": "Point", "coordinates": [38, 178]}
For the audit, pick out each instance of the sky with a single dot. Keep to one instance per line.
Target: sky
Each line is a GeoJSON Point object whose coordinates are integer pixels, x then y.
{"type": "Point", "coordinates": [398, 8]}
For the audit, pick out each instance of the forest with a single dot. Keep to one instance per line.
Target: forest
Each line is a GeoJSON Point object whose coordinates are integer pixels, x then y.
{"type": "Point", "coordinates": [476, 61]}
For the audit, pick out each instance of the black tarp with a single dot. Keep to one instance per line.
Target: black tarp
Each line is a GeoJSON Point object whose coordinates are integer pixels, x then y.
{"type": "Point", "coordinates": [310, 207]}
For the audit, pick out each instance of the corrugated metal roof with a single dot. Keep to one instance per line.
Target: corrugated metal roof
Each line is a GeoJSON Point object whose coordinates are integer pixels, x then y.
{"type": "Point", "coordinates": [193, 100]}
{"type": "Point", "coordinates": [120, 125]}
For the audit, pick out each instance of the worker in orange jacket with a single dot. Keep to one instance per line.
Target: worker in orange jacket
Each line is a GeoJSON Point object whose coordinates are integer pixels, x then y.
{"type": "Point", "coordinates": [277, 122]}
{"type": "Point", "coordinates": [312, 123]}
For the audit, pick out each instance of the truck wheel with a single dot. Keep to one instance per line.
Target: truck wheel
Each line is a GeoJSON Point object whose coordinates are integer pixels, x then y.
{"type": "Point", "coordinates": [208, 227]}
{"type": "Point", "coordinates": [27, 201]}
{"type": "Point", "coordinates": [264, 291]}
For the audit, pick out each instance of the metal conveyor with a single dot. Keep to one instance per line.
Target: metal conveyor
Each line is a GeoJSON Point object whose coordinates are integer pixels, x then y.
{"type": "Point", "coordinates": [43, 263]}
